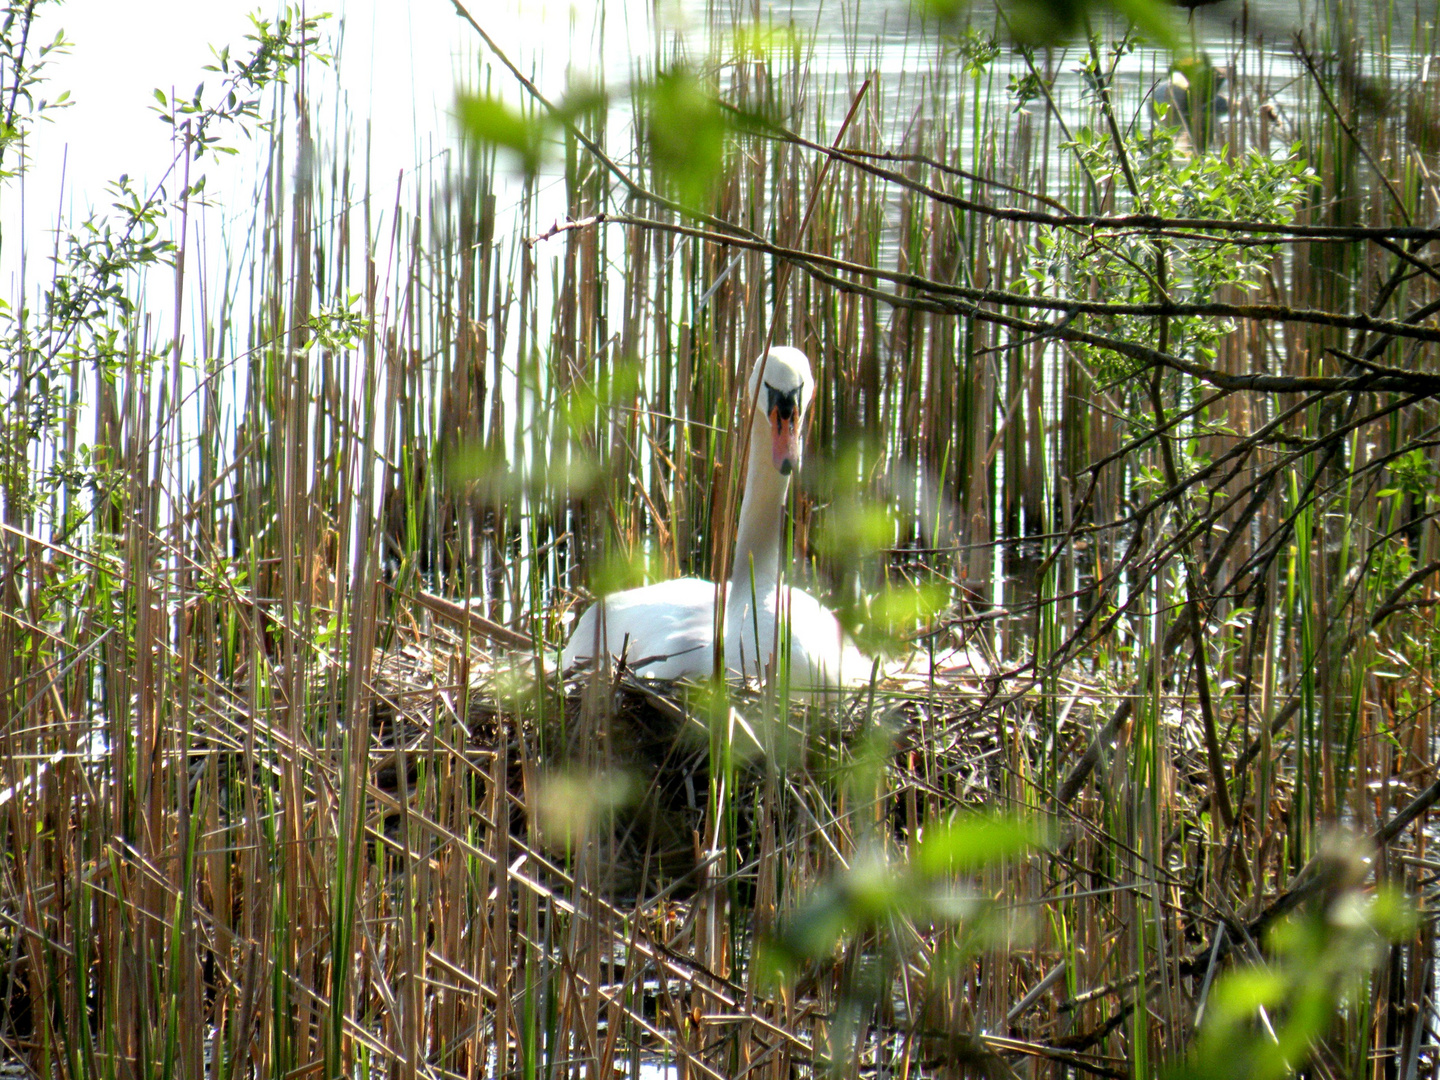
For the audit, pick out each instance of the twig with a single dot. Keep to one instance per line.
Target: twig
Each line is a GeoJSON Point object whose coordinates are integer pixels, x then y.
{"type": "Point", "coordinates": [570, 223]}
{"type": "Point", "coordinates": [486, 628]}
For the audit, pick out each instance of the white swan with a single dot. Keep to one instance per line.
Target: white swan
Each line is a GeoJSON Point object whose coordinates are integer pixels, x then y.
{"type": "Point", "coordinates": [667, 630]}
{"type": "Point", "coordinates": [1192, 98]}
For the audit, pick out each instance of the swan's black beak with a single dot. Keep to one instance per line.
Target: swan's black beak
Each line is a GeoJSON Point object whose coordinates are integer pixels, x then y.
{"type": "Point", "coordinates": [783, 408]}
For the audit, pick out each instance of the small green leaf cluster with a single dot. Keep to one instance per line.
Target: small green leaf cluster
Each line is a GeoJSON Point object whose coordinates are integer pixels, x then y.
{"type": "Point", "coordinates": [1264, 1020]}
{"type": "Point", "coordinates": [976, 49]}
{"type": "Point", "coordinates": [1023, 89]}
{"type": "Point", "coordinates": [1390, 563]}
{"type": "Point", "coordinates": [1097, 66]}
{"type": "Point", "coordinates": [1125, 267]}
{"type": "Point", "coordinates": [876, 892]}
{"type": "Point", "coordinates": [93, 277]}
{"type": "Point", "coordinates": [277, 48]}
{"type": "Point", "coordinates": [1411, 473]}
{"type": "Point", "coordinates": [339, 329]}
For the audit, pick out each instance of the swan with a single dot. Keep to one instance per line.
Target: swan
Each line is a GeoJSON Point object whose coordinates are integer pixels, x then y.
{"type": "Point", "coordinates": [667, 630]}
{"type": "Point", "coordinates": [1192, 98]}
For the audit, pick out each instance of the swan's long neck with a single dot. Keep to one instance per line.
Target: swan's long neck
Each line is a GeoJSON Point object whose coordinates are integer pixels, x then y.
{"type": "Point", "coordinates": [762, 511]}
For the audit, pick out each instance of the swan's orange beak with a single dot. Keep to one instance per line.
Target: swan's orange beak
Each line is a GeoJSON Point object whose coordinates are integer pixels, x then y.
{"type": "Point", "coordinates": [784, 441]}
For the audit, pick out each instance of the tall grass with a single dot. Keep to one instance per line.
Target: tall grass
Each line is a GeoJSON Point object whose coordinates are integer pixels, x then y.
{"type": "Point", "coordinates": [268, 812]}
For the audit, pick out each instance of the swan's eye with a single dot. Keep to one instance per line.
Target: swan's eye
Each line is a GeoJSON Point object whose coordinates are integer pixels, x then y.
{"type": "Point", "coordinates": [784, 404]}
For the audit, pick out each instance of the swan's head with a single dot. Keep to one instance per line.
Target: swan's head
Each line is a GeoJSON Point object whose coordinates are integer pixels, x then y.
{"type": "Point", "coordinates": [781, 387]}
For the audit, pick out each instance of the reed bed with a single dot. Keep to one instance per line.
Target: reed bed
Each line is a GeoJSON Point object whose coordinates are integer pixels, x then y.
{"type": "Point", "coordinates": [1133, 426]}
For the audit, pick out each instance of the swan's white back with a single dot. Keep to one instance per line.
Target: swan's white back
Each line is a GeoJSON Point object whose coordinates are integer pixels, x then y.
{"type": "Point", "coordinates": [667, 631]}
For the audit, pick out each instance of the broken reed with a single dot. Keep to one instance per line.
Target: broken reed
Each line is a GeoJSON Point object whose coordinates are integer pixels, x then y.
{"type": "Point", "coordinates": [205, 876]}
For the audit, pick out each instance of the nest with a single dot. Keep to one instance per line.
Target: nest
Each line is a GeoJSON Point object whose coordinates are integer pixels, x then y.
{"type": "Point", "coordinates": [611, 776]}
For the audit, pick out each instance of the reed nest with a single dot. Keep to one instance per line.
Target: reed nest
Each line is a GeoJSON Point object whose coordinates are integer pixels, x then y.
{"type": "Point", "coordinates": [658, 735]}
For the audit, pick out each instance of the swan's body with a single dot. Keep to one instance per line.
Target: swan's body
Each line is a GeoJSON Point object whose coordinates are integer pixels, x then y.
{"type": "Point", "coordinates": [667, 630]}
{"type": "Point", "coordinates": [1170, 99]}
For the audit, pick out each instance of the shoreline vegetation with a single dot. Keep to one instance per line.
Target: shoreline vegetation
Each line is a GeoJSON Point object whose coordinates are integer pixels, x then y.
{"type": "Point", "coordinates": [1123, 440]}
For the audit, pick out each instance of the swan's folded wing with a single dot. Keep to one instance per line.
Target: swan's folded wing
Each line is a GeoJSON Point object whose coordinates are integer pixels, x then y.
{"type": "Point", "coordinates": [822, 655]}
{"type": "Point", "coordinates": [665, 630]}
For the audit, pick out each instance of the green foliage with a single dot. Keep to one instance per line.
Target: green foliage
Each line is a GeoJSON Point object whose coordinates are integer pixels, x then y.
{"type": "Point", "coordinates": [339, 328]}
{"type": "Point", "coordinates": [530, 137]}
{"type": "Point", "coordinates": [1040, 23]}
{"type": "Point", "coordinates": [970, 842]}
{"type": "Point", "coordinates": [22, 72]}
{"type": "Point", "coordinates": [1248, 187]}
{"type": "Point", "coordinates": [687, 134]}
{"type": "Point", "coordinates": [1263, 1021]}
{"type": "Point", "coordinates": [277, 49]}
{"type": "Point", "coordinates": [488, 121]}
{"type": "Point", "coordinates": [90, 314]}
{"type": "Point", "coordinates": [1390, 564]}
{"type": "Point", "coordinates": [1025, 88]}
{"type": "Point", "coordinates": [1411, 473]}
{"type": "Point", "coordinates": [977, 50]}
{"type": "Point", "coordinates": [94, 278]}
{"type": "Point", "coordinates": [1097, 66]}
{"type": "Point", "coordinates": [683, 126]}
{"type": "Point", "coordinates": [876, 890]}
{"type": "Point", "coordinates": [195, 597]}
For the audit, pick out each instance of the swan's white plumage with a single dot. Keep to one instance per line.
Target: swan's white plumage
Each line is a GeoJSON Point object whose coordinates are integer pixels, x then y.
{"type": "Point", "coordinates": [667, 630]}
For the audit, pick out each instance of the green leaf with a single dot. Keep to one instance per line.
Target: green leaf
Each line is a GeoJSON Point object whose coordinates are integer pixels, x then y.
{"type": "Point", "coordinates": [970, 842]}
{"type": "Point", "coordinates": [1246, 990]}
{"type": "Point", "coordinates": [687, 133]}
{"type": "Point", "coordinates": [488, 121]}
{"type": "Point", "coordinates": [1153, 18]}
